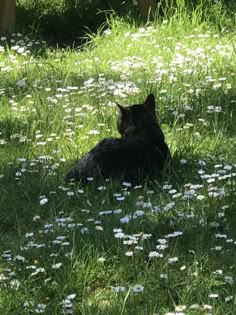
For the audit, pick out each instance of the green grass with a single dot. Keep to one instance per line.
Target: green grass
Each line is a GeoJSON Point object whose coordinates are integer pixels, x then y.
{"type": "Point", "coordinates": [90, 248]}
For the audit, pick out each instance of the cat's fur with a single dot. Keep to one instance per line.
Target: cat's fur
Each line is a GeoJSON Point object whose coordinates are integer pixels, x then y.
{"type": "Point", "coordinates": [140, 152]}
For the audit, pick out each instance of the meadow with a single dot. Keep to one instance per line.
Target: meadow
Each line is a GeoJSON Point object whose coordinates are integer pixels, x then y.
{"type": "Point", "coordinates": [162, 247]}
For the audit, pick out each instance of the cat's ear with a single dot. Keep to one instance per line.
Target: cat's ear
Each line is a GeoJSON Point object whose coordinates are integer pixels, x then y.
{"type": "Point", "coordinates": [150, 104]}
{"type": "Point", "coordinates": [124, 111]}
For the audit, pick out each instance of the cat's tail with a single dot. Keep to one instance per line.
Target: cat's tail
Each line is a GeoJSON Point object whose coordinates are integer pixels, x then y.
{"type": "Point", "coordinates": [85, 168]}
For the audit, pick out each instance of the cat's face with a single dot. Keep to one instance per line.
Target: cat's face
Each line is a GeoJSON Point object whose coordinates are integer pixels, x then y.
{"type": "Point", "coordinates": [134, 120]}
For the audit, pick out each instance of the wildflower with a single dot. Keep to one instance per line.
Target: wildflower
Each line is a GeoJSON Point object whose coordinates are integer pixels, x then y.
{"type": "Point", "coordinates": [38, 270]}
{"type": "Point", "coordinates": [173, 260]}
{"type": "Point", "coordinates": [213, 296]}
{"type": "Point", "coordinates": [167, 187]}
{"type": "Point", "coordinates": [40, 308]}
{"type": "Point", "coordinates": [130, 242]}
{"type": "Point", "coordinates": [207, 307]}
{"type": "Point", "coordinates": [57, 266]}
{"type": "Point", "coordinates": [138, 247]}
{"type": "Point", "coordinates": [125, 219]}
{"type": "Point", "coordinates": [174, 234]}
{"type": "Point", "coordinates": [169, 206]}
{"type": "Point", "coordinates": [27, 235]}
{"type": "Point", "coordinates": [28, 304]}
{"type": "Point", "coordinates": [118, 211]}
{"type": "Point", "coordinates": [21, 83]}
{"type": "Point", "coordinates": [2, 277]}
{"type": "Point", "coordinates": [126, 184]}
{"type": "Point", "coordinates": [138, 288]}
{"type": "Point", "coordinates": [65, 244]}
{"type": "Point", "coordinates": [90, 179]}
{"type": "Point", "coordinates": [225, 207]}
{"type": "Point", "coordinates": [105, 212]}
{"type": "Point", "coordinates": [217, 248]}
{"type": "Point", "coordinates": [99, 228]}
{"type": "Point", "coordinates": [145, 236]}
{"type": "Point", "coordinates": [222, 236]}
{"type": "Point", "coordinates": [229, 298]}
{"type": "Point", "coordinates": [180, 308]}
{"type": "Point", "coordinates": [43, 201]}
{"type": "Point", "coordinates": [21, 50]}
{"type": "Point", "coordinates": [200, 197]}
{"type": "Point", "coordinates": [137, 186]}
{"type": "Point", "coordinates": [15, 284]}
{"type": "Point", "coordinates": [70, 193]}
{"type": "Point", "coordinates": [20, 258]}
{"type": "Point", "coordinates": [138, 213]}
{"type": "Point", "coordinates": [119, 289]}
{"type": "Point", "coordinates": [120, 198]}
{"type": "Point", "coordinates": [101, 188]}
{"type": "Point", "coordinates": [2, 142]}
{"type": "Point", "coordinates": [48, 226]}
{"type": "Point", "coordinates": [71, 296]}
{"type": "Point", "coordinates": [67, 303]}
{"type": "Point", "coordinates": [229, 280]}
{"type": "Point", "coordinates": [84, 230]}
{"type": "Point", "coordinates": [119, 235]}
{"type": "Point", "coordinates": [154, 254]}
{"type": "Point", "coordinates": [162, 241]}
{"type": "Point", "coordinates": [94, 132]}
{"type": "Point", "coordinates": [161, 247]}
{"type": "Point", "coordinates": [218, 272]}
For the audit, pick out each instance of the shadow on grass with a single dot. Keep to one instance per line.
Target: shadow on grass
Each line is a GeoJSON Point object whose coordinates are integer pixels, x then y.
{"type": "Point", "coordinates": [22, 191]}
{"type": "Point", "coordinates": [68, 25]}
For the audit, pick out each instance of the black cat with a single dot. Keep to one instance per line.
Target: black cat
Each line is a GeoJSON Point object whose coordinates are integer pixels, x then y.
{"type": "Point", "coordinates": [140, 152]}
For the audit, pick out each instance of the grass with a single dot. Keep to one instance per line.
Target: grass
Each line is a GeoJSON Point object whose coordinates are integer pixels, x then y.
{"type": "Point", "coordinates": [164, 247]}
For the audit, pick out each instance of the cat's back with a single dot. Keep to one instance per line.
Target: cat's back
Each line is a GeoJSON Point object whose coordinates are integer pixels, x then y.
{"type": "Point", "coordinates": [119, 158]}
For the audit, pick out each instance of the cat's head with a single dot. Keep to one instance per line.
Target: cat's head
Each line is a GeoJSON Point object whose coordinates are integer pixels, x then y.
{"type": "Point", "coordinates": [137, 120]}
